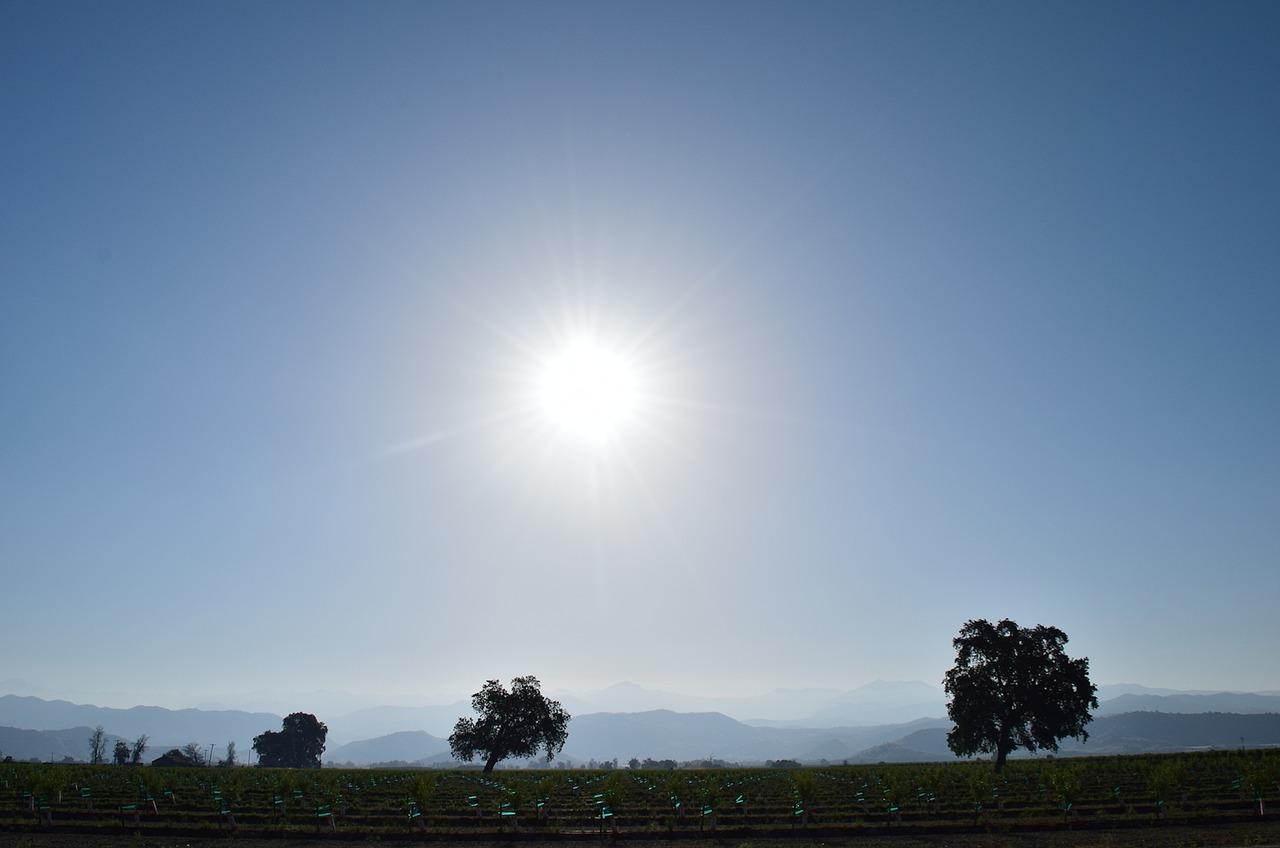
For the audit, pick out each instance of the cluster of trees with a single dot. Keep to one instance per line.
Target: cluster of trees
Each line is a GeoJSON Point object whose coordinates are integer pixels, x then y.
{"type": "Point", "coordinates": [126, 754]}
{"type": "Point", "coordinates": [123, 753]}
{"type": "Point", "coordinates": [298, 744]}
{"type": "Point", "coordinates": [1011, 687]}
{"type": "Point", "coordinates": [648, 763]}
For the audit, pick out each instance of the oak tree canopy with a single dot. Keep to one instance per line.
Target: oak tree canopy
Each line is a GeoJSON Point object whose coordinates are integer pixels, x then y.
{"type": "Point", "coordinates": [510, 724]}
{"type": "Point", "coordinates": [1014, 687]}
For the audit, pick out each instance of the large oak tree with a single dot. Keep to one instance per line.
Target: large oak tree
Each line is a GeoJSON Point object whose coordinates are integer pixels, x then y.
{"type": "Point", "coordinates": [510, 724]}
{"type": "Point", "coordinates": [1014, 687]}
{"type": "Point", "coordinates": [298, 744]}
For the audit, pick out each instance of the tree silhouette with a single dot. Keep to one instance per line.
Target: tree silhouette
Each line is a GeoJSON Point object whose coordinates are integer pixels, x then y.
{"type": "Point", "coordinates": [510, 724]}
{"type": "Point", "coordinates": [139, 748]}
{"type": "Point", "coordinates": [298, 744]}
{"type": "Point", "coordinates": [1014, 687]}
{"type": "Point", "coordinates": [193, 753]}
{"type": "Point", "coordinates": [98, 745]}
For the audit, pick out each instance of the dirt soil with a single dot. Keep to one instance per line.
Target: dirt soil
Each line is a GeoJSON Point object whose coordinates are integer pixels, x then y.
{"type": "Point", "coordinates": [1257, 833]}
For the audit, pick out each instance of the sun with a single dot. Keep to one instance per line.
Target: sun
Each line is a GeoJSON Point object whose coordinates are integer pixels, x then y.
{"type": "Point", "coordinates": [588, 391]}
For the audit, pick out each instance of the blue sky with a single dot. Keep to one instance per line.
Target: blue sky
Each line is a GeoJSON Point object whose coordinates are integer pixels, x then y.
{"type": "Point", "coordinates": [937, 312]}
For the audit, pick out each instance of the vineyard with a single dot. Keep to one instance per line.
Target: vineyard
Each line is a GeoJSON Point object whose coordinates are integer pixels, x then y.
{"type": "Point", "coordinates": [1117, 792]}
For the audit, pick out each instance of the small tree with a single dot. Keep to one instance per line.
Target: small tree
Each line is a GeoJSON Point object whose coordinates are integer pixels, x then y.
{"type": "Point", "coordinates": [1015, 688]}
{"type": "Point", "coordinates": [98, 746]}
{"type": "Point", "coordinates": [121, 752]}
{"type": "Point", "coordinates": [230, 761]}
{"type": "Point", "coordinates": [510, 724]}
{"type": "Point", "coordinates": [193, 753]}
{"type": "Point", "coordinates": [139, 748]}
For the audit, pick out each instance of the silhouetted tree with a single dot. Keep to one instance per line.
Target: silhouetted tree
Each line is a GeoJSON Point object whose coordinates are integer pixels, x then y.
{"type": "Point", "coordinates": [510, 724]}
{"type": "Point", "coordinates": [121, 754]}
{"type": "Point", "coordinates": [298, 744]}
{"type": "Point", "coordinates": [139, 748]}
{"type": "Point", "coordinates": [650, 763]}
{"type": "Point", "coordinates": [194, 753]}
{"type": "Point", "coordinates": [98, 745]}
{"type": "Point", "coordinates": [1015, 688]}
{"type": "Point", "coordinates": [231, 755]}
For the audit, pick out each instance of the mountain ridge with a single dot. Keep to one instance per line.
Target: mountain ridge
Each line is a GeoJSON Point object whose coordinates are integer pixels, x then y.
{"type": "Point", "coordinates": [660, 733]}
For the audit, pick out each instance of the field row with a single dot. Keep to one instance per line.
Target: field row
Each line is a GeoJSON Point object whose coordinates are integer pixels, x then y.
{"type": "Point", "coordinates": [1049, 792]}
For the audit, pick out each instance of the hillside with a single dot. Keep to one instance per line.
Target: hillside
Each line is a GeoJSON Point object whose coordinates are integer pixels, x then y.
{"type": "Point", "coordinates": [677, 736]}
{"type": "Point", "coordinates": [1153, 732]}
{"type": "Point", "coordinates": [51, 745]}
{"type": "Point", "coordinates": [165, 728]}
{"type": "Point", "coordinates": [409, 746]}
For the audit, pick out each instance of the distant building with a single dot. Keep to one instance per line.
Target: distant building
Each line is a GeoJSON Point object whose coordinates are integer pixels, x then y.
{"type": "Point", "coordinates": [174, 759]}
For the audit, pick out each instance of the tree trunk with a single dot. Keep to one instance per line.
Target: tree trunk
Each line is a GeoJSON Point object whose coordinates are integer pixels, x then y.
{"type": "Point", "coordinates": [491, 762]}
{"type": "Point", "coordinates": [1002, 754]}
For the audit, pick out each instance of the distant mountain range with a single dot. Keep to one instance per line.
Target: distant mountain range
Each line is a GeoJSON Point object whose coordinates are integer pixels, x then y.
{"type": "Point", "coordinates": [50, 745]}
{"type": "Point", "coordinates": [689, 737]}
{"type": "Point", "coordinates": [164, 728]}
{"type": "Point", "coordinates": [1189, 702]}
{"type": "Point", "coordinates": [662, 734]}
{"type": "Point", "coordinates": [408, 746]}
{"type": "Point", "coordinates": [883, 721]}
{"type": "Point", "coordinates": [878, 702]}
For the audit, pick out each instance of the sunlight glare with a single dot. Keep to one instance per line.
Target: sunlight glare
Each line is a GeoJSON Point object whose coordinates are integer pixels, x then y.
{"type": "Point", "coordinates": [588, 391]}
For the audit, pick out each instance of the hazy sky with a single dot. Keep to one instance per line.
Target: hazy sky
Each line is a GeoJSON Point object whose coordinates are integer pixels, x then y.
{"type": "Point", "coordinates": [931, 311]}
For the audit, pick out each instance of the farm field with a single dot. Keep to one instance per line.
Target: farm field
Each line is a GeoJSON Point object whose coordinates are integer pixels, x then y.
{"type": "Point", "coordinates": [1257, 835]}
{"type": "Point", "coordinates": [1204, 798]}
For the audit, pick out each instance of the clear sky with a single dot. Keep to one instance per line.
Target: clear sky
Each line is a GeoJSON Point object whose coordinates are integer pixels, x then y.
{"type": "Point", "coordinates": [920, 312]}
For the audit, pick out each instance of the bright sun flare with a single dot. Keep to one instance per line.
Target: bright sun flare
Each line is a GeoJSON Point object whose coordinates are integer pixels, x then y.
{"type": "Point", "coordinates": [588, 391]}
